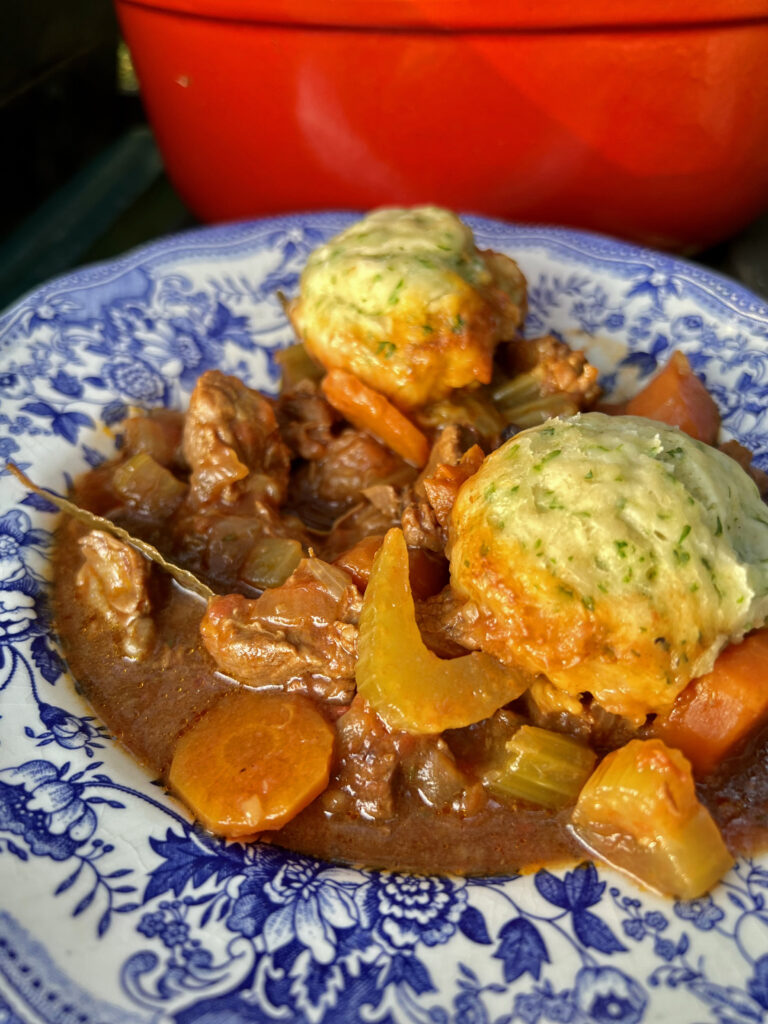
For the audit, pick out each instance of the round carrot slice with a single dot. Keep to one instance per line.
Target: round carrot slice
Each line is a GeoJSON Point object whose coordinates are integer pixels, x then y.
{"type": "Point", "coordinates": [252, 762]}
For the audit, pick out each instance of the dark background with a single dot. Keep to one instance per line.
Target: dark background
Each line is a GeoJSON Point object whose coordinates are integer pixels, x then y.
{"type": "Point", "coordinates": [81, 177]}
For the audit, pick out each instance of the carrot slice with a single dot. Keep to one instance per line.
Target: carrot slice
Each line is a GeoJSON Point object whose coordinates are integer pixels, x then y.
{"type": "Point", "coordinates": [369, 410]}
{"type": "Point", "coordinates": [676, 396]}
{"type": "Point", "coordinates": [252, 762]}
{"type": "Point", "coordinates": [717, 712]}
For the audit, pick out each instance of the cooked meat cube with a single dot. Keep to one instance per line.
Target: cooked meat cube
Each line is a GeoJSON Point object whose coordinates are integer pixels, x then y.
{"type": "Point", "coordinates": [218, 546]}
{"type": "Point", "coordinates": [421, 527]}
{"type": "Point", "coordinates": [308, 626]}
{"type": "Point", "coordinates": [113, 581]}
{"type": "Point", "coordinates": [232, 444]}
{"type": "Point", "coordinates": [443, 485]}
{"type": "Point", "coordinates": [442, 624]}
{"type": "Point", "coordinates": [367, 760]}
{"type": "Point", "coordinates": [306, 420]}
{"type": "Point", "coordinates": [557, 368]}
{"type": "Point", "coordinates": [352, 461]}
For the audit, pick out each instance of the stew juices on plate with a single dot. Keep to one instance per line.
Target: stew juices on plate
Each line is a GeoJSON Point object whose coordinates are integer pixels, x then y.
{"type": "Point", "coordinates": [462, 621]}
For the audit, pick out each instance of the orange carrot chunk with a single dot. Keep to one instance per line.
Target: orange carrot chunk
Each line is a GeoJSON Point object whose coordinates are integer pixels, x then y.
{"type": "Point", "coordinates": [369, 410]}
{"type": "Point", "coordinates": [252, 762]}
{"type": "Point", "coordinates": [676, 396]}
{"type": "Point", "coordinates": [716, 713]}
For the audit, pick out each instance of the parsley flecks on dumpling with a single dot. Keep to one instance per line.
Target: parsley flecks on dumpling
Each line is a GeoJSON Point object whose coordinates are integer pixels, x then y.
{"type": "Point", "coordinates": [406, 301]}
{"type": "Point", "coordinates": [615, 555]}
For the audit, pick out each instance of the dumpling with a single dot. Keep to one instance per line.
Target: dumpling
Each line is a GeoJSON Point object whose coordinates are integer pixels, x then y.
{"type": "Point", "coordinates": [406, 301]}
{"type": "Point", "coordinates": [614, 555]}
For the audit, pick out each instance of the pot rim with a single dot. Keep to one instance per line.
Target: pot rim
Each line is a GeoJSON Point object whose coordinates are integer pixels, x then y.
{"type": "Point", "coordinates": [462, 15]}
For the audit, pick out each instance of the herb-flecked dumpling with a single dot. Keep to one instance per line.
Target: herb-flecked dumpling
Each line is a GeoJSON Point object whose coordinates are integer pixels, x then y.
{"type": "Point", "coordinates": [405, 301]}
{"type": "Point", "coordinates": [615, 555]}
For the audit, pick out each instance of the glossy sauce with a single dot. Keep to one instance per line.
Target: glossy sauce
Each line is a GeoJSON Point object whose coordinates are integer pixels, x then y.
{"type": "Point", "coordinates": [148, 704]}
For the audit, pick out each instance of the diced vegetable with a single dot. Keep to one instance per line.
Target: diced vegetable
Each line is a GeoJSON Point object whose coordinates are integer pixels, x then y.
{"type": "Point", "coordinates": [409, 686]}
{"type": "Point", "coordinates": [252, 762]}
{"type": "Point", "coordinates": [717, 712]}
{"type": "Point", "coordinates": [270, 561]}
{"type": "Point", "coordinates": [468, 407]}
{"type": "Point", "coordinates": [431, 771]}
{"type": "Point", "coordinates": [540, 766]}
{"type": "Point", "coordinates": [369, 410]}
{"type": "Point", "coordinates": [147, 486]}
{"type": "Point", "coordinates": [158, 433]}
{"type": "Point", "coordinates": [522, 401]}
{"type": "Point", "coordinates": [677, 396]}
{"type": "Point", "coordinates": [639, 812]}
{"type": "Point", "coordinates": [296, 365]}
{"type": "Point", "coordinates": [482, 744]}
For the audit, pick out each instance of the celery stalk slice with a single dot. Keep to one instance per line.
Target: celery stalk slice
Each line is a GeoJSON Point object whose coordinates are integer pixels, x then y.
{"type": "Point", "coordinates": [542, 767]}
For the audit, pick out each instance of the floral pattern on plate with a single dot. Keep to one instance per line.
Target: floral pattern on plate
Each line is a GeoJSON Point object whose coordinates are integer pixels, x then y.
{"type": "Point", "coordinates": [115, 907]}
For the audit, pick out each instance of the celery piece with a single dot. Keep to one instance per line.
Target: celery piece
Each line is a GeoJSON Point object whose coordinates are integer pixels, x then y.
{"type": "Point", "coordinates": [144, 483]}
{"type": "Point", "coordinates": [296, 365]}
{"type": "Point", "coordinates": [540, 766]}
{"type": "Point", "coordinates": [639, 812]}
{"type": "Point", "coordinates": [270, 561]}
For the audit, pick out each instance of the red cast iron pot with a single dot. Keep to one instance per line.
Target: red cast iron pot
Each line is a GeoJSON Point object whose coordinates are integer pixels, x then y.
{"type": "Point", "coordinates": [642, 119]}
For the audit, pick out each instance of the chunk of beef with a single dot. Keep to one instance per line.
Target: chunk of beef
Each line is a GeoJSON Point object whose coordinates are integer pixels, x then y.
{"type": "Point", "coordinates": [352, 461]}
{"type": "Point", "coordinates": [429, 770]}
{"type": "Point", "coordinates": [306, 627]}
{"type": "Point", "coordinates": [558, 368]}
{"type": "Point", "coordinates": [113, 582]}
{"type": "Point", "coordinates": [443, 485]}
{"type": "Point", "coordinates": [441, 622]}
{"type": "Point", "coordinates": [306, 420]}
{"type": "Point", "coordinates": [363, 521]}
{"type": "Point", "coordinates": [233, 445]}
{"type": "Point", "coordinates": [421, 528]}
{"type": "Point", "coordinates": [447, 450]}
{"type": "Point", "coordinates": [366, 762]}
{"type": "Point", "coordinates": [425, 518]}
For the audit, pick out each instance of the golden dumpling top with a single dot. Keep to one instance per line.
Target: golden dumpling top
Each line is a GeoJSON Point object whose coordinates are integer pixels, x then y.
{"type": "Point", "coordinates": [405, 300]}
{"type": "Point", "coordinates": [615, 555]}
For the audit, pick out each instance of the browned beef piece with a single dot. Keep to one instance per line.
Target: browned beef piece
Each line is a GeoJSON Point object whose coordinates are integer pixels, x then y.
{"type": "Point", "coordinates": [442, 625]}
{"type": "Point", "coordinates": [558, 368]}
{"type": "Point", "coordinates": [352, 461]}
{"type": "Point", "coordinates": [421, 527]}
{"type": "Point", "coordinates": [446, 450]}
{"type": "Point", "coordinates": [425, 518]}
{"type": "Point", "coordinates": [113, 582]}
{"type": "Point", "coordinates": [361, 522]}
{"type": "Point", "coordinates": [306, 627]}
{"type": "Point", "coordinates": [233, 445]}
{"type": "Point", "coordinates": [306, 420]}
{"type": "Point", "coordinates": [443, 485]}
{"type": "Point", "coordinates": [366, 762]}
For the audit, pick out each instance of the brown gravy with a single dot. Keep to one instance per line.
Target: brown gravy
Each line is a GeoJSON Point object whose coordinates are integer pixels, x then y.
{"type": "Point", "coordinates": [148, 704]}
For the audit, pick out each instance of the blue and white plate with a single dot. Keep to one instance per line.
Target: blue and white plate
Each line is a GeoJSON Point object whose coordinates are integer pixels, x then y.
{"type": "Point", "coordinates": [113, 907]}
